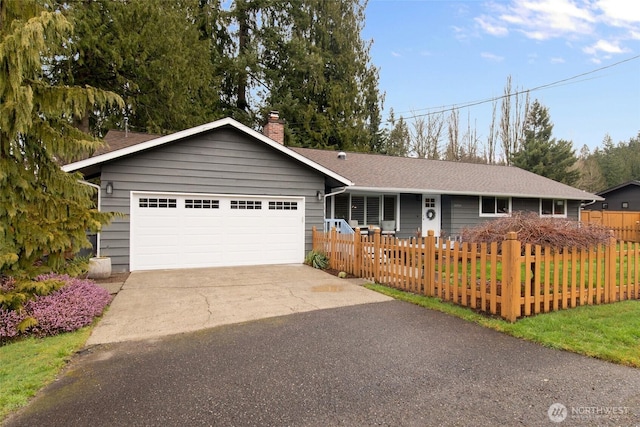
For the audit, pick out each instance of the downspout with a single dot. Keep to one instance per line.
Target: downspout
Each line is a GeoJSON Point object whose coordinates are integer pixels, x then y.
{"type": "Point", "coordinates": [324, 202]}
{"type": "Point", "coordinates": [97, 187]}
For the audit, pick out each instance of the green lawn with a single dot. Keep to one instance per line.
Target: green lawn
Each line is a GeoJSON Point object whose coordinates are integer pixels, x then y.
{"type": "Point", "coordinates": [28, 365]}
{"type": "Point", "coordinates": [609, 332]}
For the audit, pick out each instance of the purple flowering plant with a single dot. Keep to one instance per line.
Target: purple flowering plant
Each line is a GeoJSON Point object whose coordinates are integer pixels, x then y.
{"type": "Point", "coordinates": [73, 305]}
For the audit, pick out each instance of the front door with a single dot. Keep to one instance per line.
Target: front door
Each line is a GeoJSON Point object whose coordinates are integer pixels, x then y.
{"type": "Point", "coordinates": [431, 218]}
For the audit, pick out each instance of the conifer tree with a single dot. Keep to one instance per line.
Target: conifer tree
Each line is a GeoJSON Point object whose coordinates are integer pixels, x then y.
{"type": "Point", "coordinates": [44, 212]}
{"type": "Point", "coordinates": [542, 154]}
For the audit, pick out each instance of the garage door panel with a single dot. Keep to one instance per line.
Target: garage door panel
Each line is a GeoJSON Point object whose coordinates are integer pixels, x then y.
{"type": "Point", "coordinates": [189, 231]}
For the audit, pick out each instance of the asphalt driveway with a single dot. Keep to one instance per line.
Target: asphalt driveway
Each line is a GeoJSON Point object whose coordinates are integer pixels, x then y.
{"type": "Point", "coordinates": [386, 364]}
{"type": "Point", "coordinates": [154, 304]}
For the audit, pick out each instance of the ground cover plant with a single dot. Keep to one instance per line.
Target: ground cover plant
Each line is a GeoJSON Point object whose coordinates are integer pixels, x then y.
{"type": "Point", "coordinates": [48, 305]}
{"type": "Point", "coordinates": [609, 332]}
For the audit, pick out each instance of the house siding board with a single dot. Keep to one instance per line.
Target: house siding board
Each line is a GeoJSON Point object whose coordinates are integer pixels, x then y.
{"type": "Point", "coordinates": [205, 164]}
{"type": "Point", "coordinates": [410, 215]}
{"type": "Point", "coordinates": [464, 214]}
{"type": "Point", "coordinates": [629, 194]}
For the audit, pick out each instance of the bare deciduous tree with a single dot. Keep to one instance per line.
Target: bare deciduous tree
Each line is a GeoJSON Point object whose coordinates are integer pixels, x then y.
{"type": "Point", "coordinates": [512, 121]}
{"type": "Point", "coordinates": [453, 146]}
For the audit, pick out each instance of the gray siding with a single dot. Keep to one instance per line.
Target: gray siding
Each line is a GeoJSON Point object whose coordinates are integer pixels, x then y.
{"type": "Point", "coordinates": [463, 211]}
{"type": "Point", "coordinates": [223, 161]}
{"type": "Point", "coordinates": [410, 215]}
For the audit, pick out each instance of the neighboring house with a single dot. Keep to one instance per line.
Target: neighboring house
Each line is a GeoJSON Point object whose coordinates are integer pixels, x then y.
{"type": "Point", "coordinates": [416, 195]}
{"type": "Point", "coordinates": [623, 197]}
{"type": "Point", "coordinates": [222, 194]}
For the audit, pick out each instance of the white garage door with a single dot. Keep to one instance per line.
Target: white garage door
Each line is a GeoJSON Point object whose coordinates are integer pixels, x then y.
{"type": "Point", "coordinates": [171, 231]}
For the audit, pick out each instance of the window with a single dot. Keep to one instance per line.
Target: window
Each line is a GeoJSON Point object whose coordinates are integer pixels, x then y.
{"type": "Point", "coordinates": [341, 208]}
{"type": "Point", "coordinates": [156, 203]}
{"type": "Point", "coordinates": [201, 204]}
{"type": "Point", "coordinates": [367, 210]}
{"type": "Point", "coordinates": [553, 207]}
{"type": "Point", "coordinates": [495, 206]}
{"type": "Point", "coordinates": [246, 204]}
{"type": "Point", "coordinates": [389, 208]}
{"type": "Point", "coordinates": [283, 206]}
{"type": "Point", "coordinates": [625, 205]}
{"type": "Point", "coordinates": [605, 206]}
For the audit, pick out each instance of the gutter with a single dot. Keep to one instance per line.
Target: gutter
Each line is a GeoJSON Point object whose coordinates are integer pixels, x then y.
{"type": "Point", "coordinates": [324, 201]}
{"type": "Point", "coordinates": [97, 187]}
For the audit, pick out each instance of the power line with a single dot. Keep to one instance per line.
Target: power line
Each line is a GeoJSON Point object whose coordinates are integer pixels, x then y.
{"type": "Point", "coordinates": [445, 108]}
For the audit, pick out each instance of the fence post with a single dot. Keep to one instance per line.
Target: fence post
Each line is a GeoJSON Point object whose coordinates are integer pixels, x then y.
{"type": "Point", "coordinates": [357, 253]}
{"type": "Point", "coordinates": [314, 238]}
{"type": "Point", "coordinates": [511, 250]}
{"type": "Point", "coordinates": [429, 264]}
{"type": "Point", "coordinates": [611, 258]}
{"type": "Point", "coordinates": [377, 259]}
{"type": "Point", "coordinates": [333, 262]}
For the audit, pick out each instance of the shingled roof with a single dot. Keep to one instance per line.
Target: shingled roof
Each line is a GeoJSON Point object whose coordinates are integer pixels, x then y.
{"type": "Point", "coordinates": [405, 174]}
{"type": "Point", "coordinates": [117, 139]}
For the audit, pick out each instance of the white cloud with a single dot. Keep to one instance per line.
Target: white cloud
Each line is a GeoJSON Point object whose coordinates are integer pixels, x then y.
{"type": "Point", "coordinates": [605, 47]}
{"type": "Point", "coordinates": [619, 12]}
{"type": "Point", "coordinates": [545, 19]}
{"type": "Point", "coordinates": [395, 54]}
{"type": "Point", "coordinates": [491, 56]}
{"type": "Point", "coordinates": [557, 60]}
{"type": "Point", "coordinates": [490, 26]}
{"type": "Point", "coordinates": [597, 26]}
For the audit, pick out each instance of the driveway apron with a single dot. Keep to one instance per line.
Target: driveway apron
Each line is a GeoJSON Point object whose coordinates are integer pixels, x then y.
{"type": "Point", "coordinates": [153, 304]}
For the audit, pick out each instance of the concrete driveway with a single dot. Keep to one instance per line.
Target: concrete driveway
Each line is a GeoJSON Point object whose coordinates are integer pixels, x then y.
{"type": "Point", "coordinates": [153, 304]}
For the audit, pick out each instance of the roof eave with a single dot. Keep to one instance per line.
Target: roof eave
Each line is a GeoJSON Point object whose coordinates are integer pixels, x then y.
{"type": "Point", "coordinates": [116, 154]}
{"type": "Point", "coordinates": [587, 196]}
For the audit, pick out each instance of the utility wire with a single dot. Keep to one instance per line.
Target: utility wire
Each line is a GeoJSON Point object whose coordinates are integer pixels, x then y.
{"type": "Point", "coordinates": [445, 108]}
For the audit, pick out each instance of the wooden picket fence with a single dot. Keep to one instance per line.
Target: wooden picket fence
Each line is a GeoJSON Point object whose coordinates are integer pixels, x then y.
{"type": "Point", "coordinates": [510, 279]}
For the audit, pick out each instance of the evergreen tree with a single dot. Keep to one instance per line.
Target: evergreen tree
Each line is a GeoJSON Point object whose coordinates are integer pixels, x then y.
{"type": "Point", "coordinates": [619, 162]}
{"type": "Point", "coordinates": [44, 212]}
{"type": "Point", "coordinates": [319, 74]}
{"type": "Point", "coordinates": [153, 54]}
{"type": "Point", "coordinates": [591, 178]}
{"type": "Point", "coordinates": [542, 154]}
{"type": "Point", "coordinates": [398, 138]}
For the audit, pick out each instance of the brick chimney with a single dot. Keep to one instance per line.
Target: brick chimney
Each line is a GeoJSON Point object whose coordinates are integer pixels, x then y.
{"type": "Point", "coordinates": [274, 128]}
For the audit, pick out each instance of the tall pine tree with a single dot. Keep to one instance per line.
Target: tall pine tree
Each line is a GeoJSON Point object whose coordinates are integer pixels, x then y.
{"type": "Point", "coordinates": [542, 154]}
{"type": "Point", "coordinates": [43, 210]}
{"type": "Point", "coordinates": [319, 74]}
{"type": "Point", "coordinates": [153, 54]}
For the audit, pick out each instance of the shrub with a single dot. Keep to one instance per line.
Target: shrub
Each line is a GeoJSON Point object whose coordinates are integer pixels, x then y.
{"type": "Point", "coordinates": [317, 259]}
{"type": "Point", "coordinates": [68, 308]}
{"type": "Point", "coordinates": [556, 233]}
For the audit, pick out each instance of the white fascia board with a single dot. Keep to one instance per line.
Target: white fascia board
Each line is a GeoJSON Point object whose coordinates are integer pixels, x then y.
{"type": "Point", "coordinates": [357, 188]}
{"type": "Point", "coordinates": [71, 167]}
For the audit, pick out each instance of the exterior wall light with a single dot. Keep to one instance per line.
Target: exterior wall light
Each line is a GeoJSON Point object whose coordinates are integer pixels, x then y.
{"type": "Point", "coordinates": [319, 195]}
{"type": "Point", "coordinates": [109, 188]}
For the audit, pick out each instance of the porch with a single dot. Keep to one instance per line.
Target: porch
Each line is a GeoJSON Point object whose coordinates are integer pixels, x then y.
{"type": "Point", "coordinates": [402, 215]}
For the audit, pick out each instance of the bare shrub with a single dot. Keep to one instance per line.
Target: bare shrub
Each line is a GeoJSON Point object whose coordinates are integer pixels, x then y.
{"type": "Point", "coordinates": [555, 233]}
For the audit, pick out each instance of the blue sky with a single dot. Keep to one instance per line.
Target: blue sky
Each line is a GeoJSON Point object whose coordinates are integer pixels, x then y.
{"type": "Point", "coordinates": [443, 53]}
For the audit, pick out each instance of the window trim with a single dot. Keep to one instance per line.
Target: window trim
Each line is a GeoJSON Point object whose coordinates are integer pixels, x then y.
{"type": "Point", "coordinates": [553, 203]}
{"type": "Point", "coordinates": [494, 214]}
